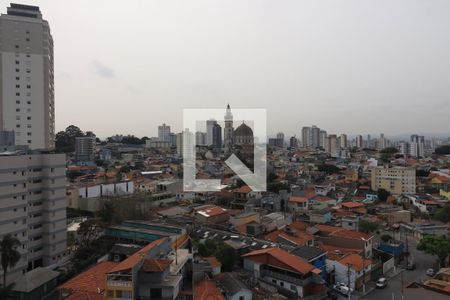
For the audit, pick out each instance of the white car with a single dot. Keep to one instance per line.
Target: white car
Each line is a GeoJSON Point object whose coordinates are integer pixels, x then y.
{"type": "Point", "coordinates": [381, 283]}
{"type": "Point", "coordinates": [430, 272]}
{"type": "Point", "coordinates": [342, 288]}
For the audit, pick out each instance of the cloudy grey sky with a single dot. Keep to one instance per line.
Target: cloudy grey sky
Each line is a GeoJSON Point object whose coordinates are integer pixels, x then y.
{"type": "Point", "coordinates": [347, 66]}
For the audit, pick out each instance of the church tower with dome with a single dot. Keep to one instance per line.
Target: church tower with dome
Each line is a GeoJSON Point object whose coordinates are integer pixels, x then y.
{"type": "Point", "coordinates": [228, 131]}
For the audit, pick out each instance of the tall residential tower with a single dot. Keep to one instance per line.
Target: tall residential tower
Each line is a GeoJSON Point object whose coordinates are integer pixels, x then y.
{"type": "Point", "coordinates": [27, 103]}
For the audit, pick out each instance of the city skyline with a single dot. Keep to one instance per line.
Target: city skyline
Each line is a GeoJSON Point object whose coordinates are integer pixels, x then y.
{"type": "Point", "coordinates": [383, 78]}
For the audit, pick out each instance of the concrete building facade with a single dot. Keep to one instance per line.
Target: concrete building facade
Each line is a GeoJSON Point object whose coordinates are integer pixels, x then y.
{"type": "Point", "coordinates": [33, 208]}
{"type": "Point", "coordinates": [26, 77]}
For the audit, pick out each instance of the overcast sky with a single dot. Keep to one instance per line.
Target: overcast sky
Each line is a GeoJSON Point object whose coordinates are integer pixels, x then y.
{"type": "Point", "coordinates": [346, 66]}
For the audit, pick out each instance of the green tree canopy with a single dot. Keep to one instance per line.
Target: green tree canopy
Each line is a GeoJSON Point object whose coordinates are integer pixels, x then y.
{"type": "Point", "coordinates": [9, 254]}
{"type": "Point", "coordinates": [438, 245]}
{"type": "Point", "coordinates": [367, 226]}
{"type": "Point", "coordinates": [443, 214]}
{"type": "Point", "coordinates": [383, 194]}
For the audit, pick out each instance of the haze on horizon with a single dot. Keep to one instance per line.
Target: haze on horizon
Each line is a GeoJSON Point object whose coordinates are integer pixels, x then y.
{"type": "Point", "coordinates": [353, 67]}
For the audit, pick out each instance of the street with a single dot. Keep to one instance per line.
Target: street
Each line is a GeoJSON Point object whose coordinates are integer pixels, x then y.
{"type": "Point", "coordinates": [393, 291]}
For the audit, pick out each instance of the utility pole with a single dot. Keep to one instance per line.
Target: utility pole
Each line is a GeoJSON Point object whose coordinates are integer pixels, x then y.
{"type": "Point", "coordinates": [401, 282]}
{"type": "Point", "coordinates": [348, 279]}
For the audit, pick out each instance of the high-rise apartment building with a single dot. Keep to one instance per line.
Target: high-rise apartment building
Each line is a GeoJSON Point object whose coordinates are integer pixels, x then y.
{"type": "Point", "coordinates": [343, 142]}
{"type": "Point", "coordinates": [315, 137]}
{"type": "Point", "coordinates": [306, 137]}
{"type": "Point", "coordinates": [209, 131]}
{"type": "Point", "coordinates": [84, 148]}
{"type": "Point", "coordinates": [217, 137]}
{"type": "Point", "coordinates": [332, 145]}
{"type": "Point", "coordinates": [417, 145]}
{"type": "Point", "coordinates": [27, 103]}
{"type": "Point", "coordinates": [200, 138]}
{"type": "Point", "coordinates": [164, 132]}
{"type": "Point", "coordinates": [322, 138]}
{"type": "Point", "coordinates": [396, 180]}
{"type": "Point", "coordinates": [293, 142]}
{"type": "Point", "coordinates": [359, 142]}
{"type": "Point", "coordinates": [33, 208]}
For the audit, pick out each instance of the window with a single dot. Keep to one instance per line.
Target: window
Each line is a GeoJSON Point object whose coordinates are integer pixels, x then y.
{"type": "Point", "coordinates": [293, 287]}
{"type": "Point", "coordinates": [17, 62]}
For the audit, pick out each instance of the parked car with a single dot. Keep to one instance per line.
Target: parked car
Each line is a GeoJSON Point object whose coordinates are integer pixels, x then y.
{"type": "Point", "coordinates": [410, 267]}
{"type": "Point", "coordinates": [430, 272]}
{"type": "Point", "coordinates": [342, 288]}
{"type": "Point", "coordinates": [381, 283]}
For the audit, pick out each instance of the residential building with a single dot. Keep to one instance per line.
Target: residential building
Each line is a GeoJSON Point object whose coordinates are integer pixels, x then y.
{"type": "Point", "coordinates": [352, 269]}
{"type": "Point", "coordinates": [27, 103]}
{"type": "Point", "coordinates": [359, 142]}
{"type": "Point", "coordinates": [343, 143]}
{"type": "Point", "coordinates": [164, 132]}
{"type": "Point", "coordinates": [293, 142]}
{"type": "Point", "coordinates": [306, 137]}
{"type": "Point", "coordinates": [396, 180]}
{"type": "Point", "coordinates": [417, 146]}
{"type": "Point", "coordinates": [288, 273]}
{"type": "Point", "coordinates": [33, 208]}
{"type": "Point", "coordinates": [209, 131]}
{"type": "Point", "coordinates": [280, 139]}
{"type": "Point", "coordinates": [217, 137]}
{"type": "Point", "coordinates": [331, 145]}
{"type": "Point", "coordinates": [234, 289]}
{"type": "Point", "coordinates": [84, 149]}
{"type": "Point", "coordinates": [200, 138]}
{"type": "Point", "coordinates": [322, 139]}
{"type": "Point", "coordinates": [315, 137]}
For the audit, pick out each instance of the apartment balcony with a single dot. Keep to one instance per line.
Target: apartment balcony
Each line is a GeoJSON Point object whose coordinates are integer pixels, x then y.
{"type": "Point", "coordinates": [284, 277]}
{"type": "Point", "coordinates": [119, 283]}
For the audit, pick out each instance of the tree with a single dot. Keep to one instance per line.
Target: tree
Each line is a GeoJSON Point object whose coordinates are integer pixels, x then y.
{"type": "Point", "coordinates": [6, 292]}
{"type": "Point", "coordinates": [443, 214]}
{"type": "Point", "coordinates": [65, 140]}
{"type": "Point", "coordinates": [438, 245]}
{"type": "Point", "coordinates": [442, 150]}
{"type": "Point", "coordinates": [329, 169]}
{"type": "Point", "coordinates": [9, 254]}
{"type": "Point", "coordinates": [106, 214]}
{"type": "Point", "coordinates": [89, 231]}
{"type": "Point", "coordinates": [367, 226]}
{"type": "Point", "coordinates": [226, 255]}
{"type": "Point", "coordinates": [383, 194]}
{"type": "Point", "coordinates": [388, 153]}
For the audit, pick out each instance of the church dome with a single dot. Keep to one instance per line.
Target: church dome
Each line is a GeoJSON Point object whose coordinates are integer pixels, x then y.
{"type": "Point", "coordinates": [243, 130]}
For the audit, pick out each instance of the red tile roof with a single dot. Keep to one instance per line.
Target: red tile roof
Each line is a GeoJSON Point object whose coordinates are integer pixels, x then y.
{"type": "Point", "coordinates": [352, 204]}
{"type": "Point", "coordinates": [288, 260]}
{"type": "Point", "coordinates": [213, 261]}
{"type": "Point", "coordinates": [207, 290]}
{"type": "Point", "coordinates": [212, 211]}
{"type": "Point", "coordinates": [356, 262]}
{"type": "Point", "coordinates": [298, 199]}
{"type": "Point", "coordinates": [87, 284]}
{"type": "Point", "coordinates": [153, 265]}
{"type": "Point", "coordinates": [243, 189]}
{"type": "Point", "coordinates": [136, 258]}
{"type": "Point", "coordinates": [299, 240]}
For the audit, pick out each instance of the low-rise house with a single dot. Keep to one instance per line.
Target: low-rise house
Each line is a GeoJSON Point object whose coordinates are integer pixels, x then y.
{"type": "Point", "coordinates": [352, 269]}
{"type": "Point", "coordinates": [207, 290]}
{"type": "Point", "coordinates": [234, 289]}
{"type": "Point", "coordinates": [36, 284]}
{"type": "Point", "coordinates": [289, 274]}
{"type": "Point", "coordinates": [315, 256]}
{"type": "Point", "coordinates": [321, 216]}
{"type": "Point", "coordinates": [211, 214]}
{"type": "Point", "coordinates": [298, 204]}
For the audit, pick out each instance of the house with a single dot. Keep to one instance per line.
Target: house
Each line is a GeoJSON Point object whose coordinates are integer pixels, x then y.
{"type": "Point", "coordinates": [154, 272]}
{"type": "Point", "coordinates": [315, 256]}
{"type": "Point", "coordinates": [207, 290]}
{"type": "Point", "coordinates": [211, 214]}
{"type": "Point", "coordinates": [352, 269]}
{"type": "Point", "coordinates": [340, 237]}
{"type": "Point", "coordinates": [89, 284]}
{"type": "Point", "coordinates": [215, 265]}
{"type": "Point", "coordinates": [36, 284]}
{"type": "Point", "coordinates": [321, 216]}
{"type": "Point", "coordinates": [234, 289]}
{"type": "Point", "coordinates": [278, 269]}
{"type": "Point", "coordinates": [298, 204]}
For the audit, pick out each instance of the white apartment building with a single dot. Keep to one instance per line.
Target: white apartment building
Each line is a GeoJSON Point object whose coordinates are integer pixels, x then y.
{"type": "Point", "coordinates": [26, 77]}
{"type": "Point", "coordinates": [33, 208]}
